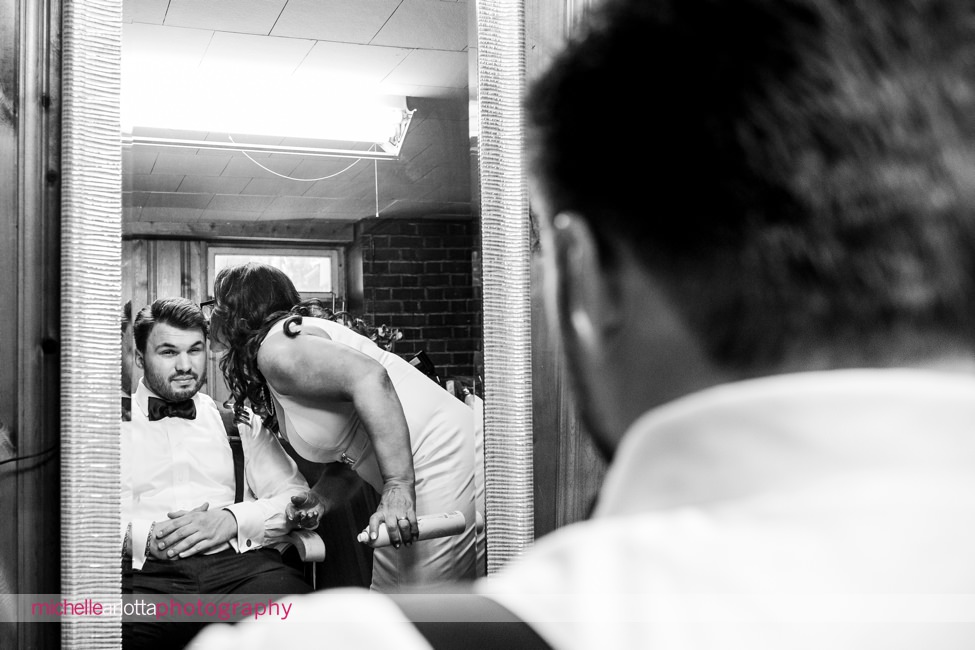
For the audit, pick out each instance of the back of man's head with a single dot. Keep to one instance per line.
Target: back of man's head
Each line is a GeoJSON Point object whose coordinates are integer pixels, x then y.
{"type": "Point", "coordinates": [176, 312]}
{"type": "Point", "coordinates": [800, 175]}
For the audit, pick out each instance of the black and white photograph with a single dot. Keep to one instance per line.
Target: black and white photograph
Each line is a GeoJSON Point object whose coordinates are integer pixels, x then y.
{"type": "Point", "coordinates": [487, 324]}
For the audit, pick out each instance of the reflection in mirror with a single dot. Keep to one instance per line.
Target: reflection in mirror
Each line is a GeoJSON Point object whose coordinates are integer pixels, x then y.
{"type": "Point", "coordinates": [130, 372]}
{"type": "Point", "coordinates": [393, 214]}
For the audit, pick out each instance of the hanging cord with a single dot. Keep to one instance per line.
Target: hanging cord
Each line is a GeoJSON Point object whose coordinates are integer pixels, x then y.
{"type": "Point", "coordinates": [375, 170]}
{"type": "Point", "coordinates": [27, 456]}
{"type": "Point", "coordinates": [292, 178]}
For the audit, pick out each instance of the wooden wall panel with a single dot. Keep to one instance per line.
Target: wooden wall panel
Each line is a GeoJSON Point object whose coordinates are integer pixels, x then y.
{"type": "Point", "coordinates": [9, 292]}
{"type": "Point", "coordinates": [568, 470]}
{"type": "Point", "coordinates": [166, 268]}
{"type": "Point", "coordinates": [163, 268]}
{"type": "Point", "coordinates": [135, 275]}
{"type": "Point", "coordinates": [194, 278]}
{"type": "Point", "coordinates": [30, 115]}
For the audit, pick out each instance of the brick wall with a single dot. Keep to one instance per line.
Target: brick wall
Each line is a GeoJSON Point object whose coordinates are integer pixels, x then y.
{"type": "Point", "coordinates": [418, 276]}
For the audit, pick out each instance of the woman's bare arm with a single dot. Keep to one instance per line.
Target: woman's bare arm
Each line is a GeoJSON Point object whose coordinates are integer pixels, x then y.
{"type": "Point", "coordinates": [315, 367]}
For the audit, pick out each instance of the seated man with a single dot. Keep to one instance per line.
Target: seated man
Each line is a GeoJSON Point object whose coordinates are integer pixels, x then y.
{"type": "Point", "coordinates": [192, 524]}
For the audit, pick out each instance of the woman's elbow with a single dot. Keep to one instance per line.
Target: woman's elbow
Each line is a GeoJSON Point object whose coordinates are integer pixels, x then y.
{"type": "Point", "coordinates": [374, 379]}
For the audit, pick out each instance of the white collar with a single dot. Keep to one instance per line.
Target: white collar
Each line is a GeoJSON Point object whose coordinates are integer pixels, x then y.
{"type": "Point", "coordinates": [747, 437]}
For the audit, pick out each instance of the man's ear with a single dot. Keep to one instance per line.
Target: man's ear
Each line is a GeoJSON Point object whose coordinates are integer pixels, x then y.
{"type": "Point", "coordinates": [139, 361]}
{"type": "Point", "coordinates": [588, 291]}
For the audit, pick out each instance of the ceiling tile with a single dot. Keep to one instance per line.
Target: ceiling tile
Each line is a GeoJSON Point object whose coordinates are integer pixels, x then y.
{"type": "Point", "coordinates": [171, 134]}
{"type": "Point", "coordinates": [420, 209]}
{"type": "Point", "coordinates": [321, 168]}
{"type": "Point", "coordinates": [170, 214]}
{"type": "Point", "coordinates": [253, 57]}
{"type": "Point", "coordinates": [240, 203]}
{"type": "Point", "coordinates": [156, 47]}
{"type": "Point", "coordinates": [144, 11]}
{"type": "Point", "coordinates": [407, 187]}
{"type": "Point", "coordinates": [334, 20]}
{"type": "Point", "coordinates": [296, 207]}
{"type": "Point", "coordinates": [137, 160]}
{"type": "Point", "coordinates": [212, 184]}
{"type": "Point", "coordinates": [333, 188]}
{"type": "Point", "coordinates": [447, 185]}
{"type": "Point", "coordinates": [430, 24]}
{"type": "Point", "coordinates": [215, 136]}
{"type": "Point", "coordinates": [241, 166]}
{"type": "Point", "coordinates": [217, 216]}
{"type": "Point", "coordinates": [275, 186]}
{"type": "Point", "coordinates": [432, 68]}
{"type": "Point", "coordinates": [419, 90]}
{"type": "Point", "coordinates": [178, 200]}
{"type": "Point", "coordinates": [190, 164]}
{"type": "Point", "coordinates": [134, 199]}
{"type": "Point", "coordinates": [349, 63]}
{"type": "Point", "coordinates": [315, 143]}
{"type": "Point", "coordinates": [156, 182]}
{"type": "Point", "coordinates": [245, 16]}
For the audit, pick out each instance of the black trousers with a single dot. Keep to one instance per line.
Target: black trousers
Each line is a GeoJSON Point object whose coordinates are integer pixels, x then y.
{"type": "Point", "coordinates": [168, 603]}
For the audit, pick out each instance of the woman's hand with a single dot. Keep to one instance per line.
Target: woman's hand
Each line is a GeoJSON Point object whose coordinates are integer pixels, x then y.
{"type": "Point", "coordinates": [305, 510]}
{"type": "Point", "coordinates": [397, 509]}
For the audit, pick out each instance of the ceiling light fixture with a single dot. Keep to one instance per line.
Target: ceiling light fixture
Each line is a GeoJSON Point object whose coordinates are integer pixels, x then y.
{"type": "Point", "coordinates": [227, 112]}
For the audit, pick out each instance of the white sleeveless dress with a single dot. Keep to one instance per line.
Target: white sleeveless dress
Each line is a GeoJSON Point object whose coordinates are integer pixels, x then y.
{"type": "Point", "coordinates": [442, 440]}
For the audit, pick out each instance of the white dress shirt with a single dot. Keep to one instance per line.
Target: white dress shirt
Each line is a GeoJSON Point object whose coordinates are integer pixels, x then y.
{"type": "Point", "coordinates": [178, 464]}
{"type": "Point", "coordinates": [815, 510]}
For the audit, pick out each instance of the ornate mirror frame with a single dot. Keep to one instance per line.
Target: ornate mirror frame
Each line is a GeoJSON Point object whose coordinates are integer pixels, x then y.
{"type": "Point", "coordinates": [91, 294]}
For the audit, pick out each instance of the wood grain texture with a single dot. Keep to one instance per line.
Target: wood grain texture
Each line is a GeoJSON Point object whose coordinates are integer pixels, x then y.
{"type": "Point", "coordinates": [9, 290]}
{"type": "Point", "coordinates": [299, 230]}
{"type": "Point", "coordinates": [568, 470]}
{"type": "Point", "coordinates": [29, 243]}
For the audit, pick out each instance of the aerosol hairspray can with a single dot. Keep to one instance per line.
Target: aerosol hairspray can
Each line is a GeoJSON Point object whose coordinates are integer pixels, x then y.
{"type": "Point", "coordinates": [431, 526]}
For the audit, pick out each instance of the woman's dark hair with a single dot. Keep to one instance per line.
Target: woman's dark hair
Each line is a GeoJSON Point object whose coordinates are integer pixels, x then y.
{"type": "Point", "coordinates": [250, 298]}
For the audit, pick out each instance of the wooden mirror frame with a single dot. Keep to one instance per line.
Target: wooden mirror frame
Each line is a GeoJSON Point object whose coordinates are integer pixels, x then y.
{"type": "Point", "coordinates": [91, 295]}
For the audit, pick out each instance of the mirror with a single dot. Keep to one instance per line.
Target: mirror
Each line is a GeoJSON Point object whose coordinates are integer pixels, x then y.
{"type": "Point", "coordinates": [201, 76]}
{"type": "Point", "coordinates": [91, 227]}
{"type": "Point", "coordinates": [380, 228]}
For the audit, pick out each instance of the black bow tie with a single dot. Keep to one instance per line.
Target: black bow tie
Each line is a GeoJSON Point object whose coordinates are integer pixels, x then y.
{"type": "Point", "coordinates": [159, 409]}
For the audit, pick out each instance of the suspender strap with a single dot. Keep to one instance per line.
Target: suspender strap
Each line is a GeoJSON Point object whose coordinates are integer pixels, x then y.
{"type": "Point", "coordinates": [467, 622]}
{"type": "Point", "coordinates": [237, 447]}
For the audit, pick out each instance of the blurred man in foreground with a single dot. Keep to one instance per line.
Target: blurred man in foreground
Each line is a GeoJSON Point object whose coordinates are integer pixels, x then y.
{"type": "Point", "coordinates": [769, 311]}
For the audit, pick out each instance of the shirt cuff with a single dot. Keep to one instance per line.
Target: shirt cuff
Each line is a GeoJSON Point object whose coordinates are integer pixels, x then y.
{"type": "Point", "coordinates": [250, 526]}
{"type": "Point", "coordinates": [140, 538]}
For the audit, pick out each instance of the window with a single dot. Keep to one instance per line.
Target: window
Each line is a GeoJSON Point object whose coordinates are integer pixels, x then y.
{"type": "Point", "coordinates": [316, 273]}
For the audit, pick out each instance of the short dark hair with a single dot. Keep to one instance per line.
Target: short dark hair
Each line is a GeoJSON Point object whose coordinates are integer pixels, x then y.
{"type": "Point", "coordinates": [126, 315]}
{"type": "Point", "coordinates": [805, 180]}
{"type": "Point", "coordinates": [176, 312]}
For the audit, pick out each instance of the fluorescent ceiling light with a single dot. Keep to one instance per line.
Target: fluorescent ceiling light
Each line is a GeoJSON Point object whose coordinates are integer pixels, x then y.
{"type": "Point", "coordinates": [225, 102]}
